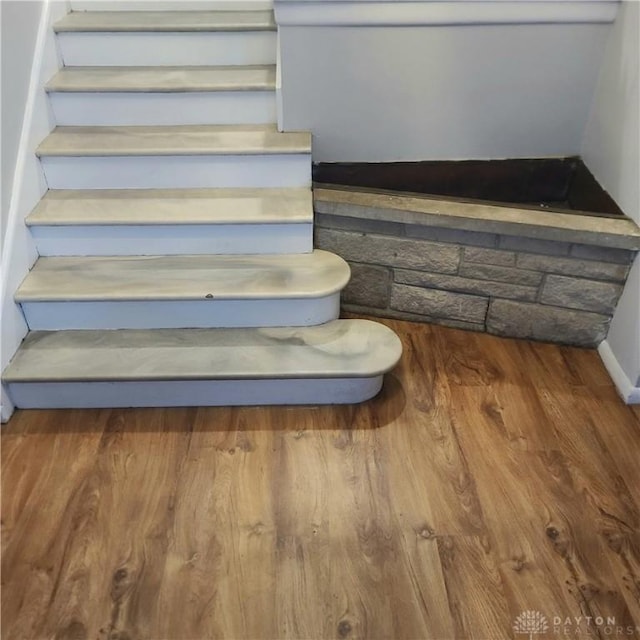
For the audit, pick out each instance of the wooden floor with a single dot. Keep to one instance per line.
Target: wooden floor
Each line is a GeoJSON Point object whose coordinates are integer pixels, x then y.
{"type": "Point", "coordinates": [491, 477]}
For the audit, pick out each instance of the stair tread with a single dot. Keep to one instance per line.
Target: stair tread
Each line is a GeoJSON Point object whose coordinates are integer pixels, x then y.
{"type": "Point", "coordinates": [163, 79]}
{"type": "Point", "coordinates": [340, 348]}
{"type": "Point", "coordinates": [171, 21]}
{"type": "Point", "coordinates": [172, 206]}
{"type": "Point", "coordinates": [174, 140]}
{"type": "Point", "coordinates": [200, 277]}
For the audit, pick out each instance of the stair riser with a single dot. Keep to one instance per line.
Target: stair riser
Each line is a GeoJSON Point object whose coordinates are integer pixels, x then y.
{"type": "Point", "coordinates": [157, 172]}
{"type": "Point", "coordinates": [115, 109]}
{"type": "Point", "coordinates": [168, 49]}
{"type": "Point", "coordinates": [181, 314]}
{"type": "Point", "coordinates": [148, 240]}
{"type": "Point", "coordinates": [181, 393]}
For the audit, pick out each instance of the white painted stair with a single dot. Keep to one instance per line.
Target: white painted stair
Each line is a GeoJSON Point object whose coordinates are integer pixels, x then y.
{"type": "Point", "coordinates": [120, 95]}
{"type": "Point", "coordinates": [183, 291]}
{"type": "Point", "coordinates": [176, 239]}
{"type": "Point", "coordinates": [146, 222]}
{"type": "Point", "coordinates": [178, 38]}
{"type": "Point", "coordinates": [339, 362]}
{"type": "Point", "coordinates": [181, 156]}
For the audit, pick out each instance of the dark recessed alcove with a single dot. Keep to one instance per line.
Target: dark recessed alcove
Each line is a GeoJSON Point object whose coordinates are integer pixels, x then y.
{"type": "Point", "coordinates": [557, 184]}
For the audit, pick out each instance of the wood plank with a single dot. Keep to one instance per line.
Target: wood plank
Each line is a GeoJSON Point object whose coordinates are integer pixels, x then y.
{"type": "Point", "coordinates": [552, 542]}
{"type": "Point", "coordinates": [51, 457]}
{"type": "Point", "coordinates": [470, 573]}
{"type": "Point", "coordinates": [221, 555]}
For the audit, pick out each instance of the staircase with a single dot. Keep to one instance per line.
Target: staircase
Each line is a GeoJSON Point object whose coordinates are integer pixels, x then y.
{"type": "Point", "coordinates": [176, 239]}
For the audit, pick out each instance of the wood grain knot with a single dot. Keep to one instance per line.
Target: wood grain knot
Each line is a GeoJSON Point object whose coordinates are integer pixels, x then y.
{"type": "Point", "coordinates": [519, 563]}
{"type": "Point", "coordinates": [615, 541]}
{"type": "Point", "coordinates": [427, 532]}
{"type": "Point", "coordinates": [344, 628]}
{"type": "Point", "coordinates": [120, 583]}
{"type": "Point", "coordinates": [552, 533]}
{"type": "Point", "coordinates": [120, 575]}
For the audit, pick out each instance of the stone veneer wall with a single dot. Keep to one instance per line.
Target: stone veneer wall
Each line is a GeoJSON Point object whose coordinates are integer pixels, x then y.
{"type": "Point", "coordinates": [540, 289]}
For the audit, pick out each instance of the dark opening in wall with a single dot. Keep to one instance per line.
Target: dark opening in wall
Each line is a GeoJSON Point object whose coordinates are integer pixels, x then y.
{"type": "Point", "coordinates": [557, 184]}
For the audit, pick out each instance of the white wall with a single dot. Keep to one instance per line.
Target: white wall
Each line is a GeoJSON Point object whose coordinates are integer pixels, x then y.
{"type": "Point", "coordinates": [440, 92]}
{"type": "Point", "coordinates": [29, 185]}
{"type": "Point", "coordinates": [611, 150]}
{"type": "Point", "coordinates": [20, 22]}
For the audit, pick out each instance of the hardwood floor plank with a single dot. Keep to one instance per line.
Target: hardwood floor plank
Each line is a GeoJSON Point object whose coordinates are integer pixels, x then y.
{"type": "Point", "coordinates": [141, 461]}
{"type": "Point", "coordinates": [470, 573]}
{"type": "Point", "coordinates": [561, 543]}
{"type": "Point", "coordinates": [429, 447]}
{"type": "Point", "coordinates": [47, 503]}
{"type": "Point", "coordinates": [220, 557]}
{"type": "Point", "coordinates": [301, 491]}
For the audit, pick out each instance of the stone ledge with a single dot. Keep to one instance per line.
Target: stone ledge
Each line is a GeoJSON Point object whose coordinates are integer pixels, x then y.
{"type": "Point", "coordinates": [423, 211]}
{"type": "Point", "coordinates": [539, 289]}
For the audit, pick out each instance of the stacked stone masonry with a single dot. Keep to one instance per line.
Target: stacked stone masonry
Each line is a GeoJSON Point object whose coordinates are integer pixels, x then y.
{"type": "Point", "coordinates": [505, 285]}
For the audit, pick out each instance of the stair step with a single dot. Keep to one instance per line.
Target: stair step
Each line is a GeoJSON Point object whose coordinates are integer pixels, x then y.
{"type": "Point", "coordinates": [165, 21]}
{"type": "Point", "coordinates": [173, 221]}
{"type": "Point", "coordinates": [116, 96]}
{"type": "Point", "coordinates": [172, 5]}
{"type": "Point", "coordinates": [147, 157]}
{"type": "Point", "coordinates": [164, 79]}
{"type": "Point", "coordinates": [173, 206]}
{"type": "Point", "coordinates": [183, 291]}
{"type": "Point", "coordinates": [182, 140]}
{"type": "Point", "coordinates": [340, 361]}
{"type": "Point", "coordinates": [167, 38]}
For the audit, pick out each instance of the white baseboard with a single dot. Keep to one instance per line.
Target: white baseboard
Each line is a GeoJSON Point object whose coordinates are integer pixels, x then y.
{"type": "Point", "coordinates": [630, 394]}
{"type": "Point", "coordinates": [6, 407]}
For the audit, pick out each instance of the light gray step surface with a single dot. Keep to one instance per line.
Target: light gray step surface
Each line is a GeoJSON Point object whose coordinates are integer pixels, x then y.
{"type": "Point", "coordinates": [342, 348]}
{"type": "Point", "coordinates": [163, 79]}
{"type": "Point", "coordinates": [343, 361]}
{"type": "Point", "coordinates": [168, 21]}
{"type": "Point", "coordinates": [173, 206]}
{"type": "Point", "coordinates": [181, 140]}
{"type": "Point", "coordinates": [172, 222]}
{"type": "Point", "coordinates": [183, 278]}
{"type": "Point", "coordinates": [181, 291]}
{"type": "Point", "coordinates": [184, 156]}
{"type": "Point", "coordinates": [167, 96]}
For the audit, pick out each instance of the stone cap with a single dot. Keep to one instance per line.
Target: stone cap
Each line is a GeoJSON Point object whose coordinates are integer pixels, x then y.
{"type": "Point", "coordinates": [447, 213]}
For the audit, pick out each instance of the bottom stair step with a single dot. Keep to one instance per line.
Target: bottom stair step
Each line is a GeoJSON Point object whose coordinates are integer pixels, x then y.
{"type": "Point", "coordinates": [339, 362]}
